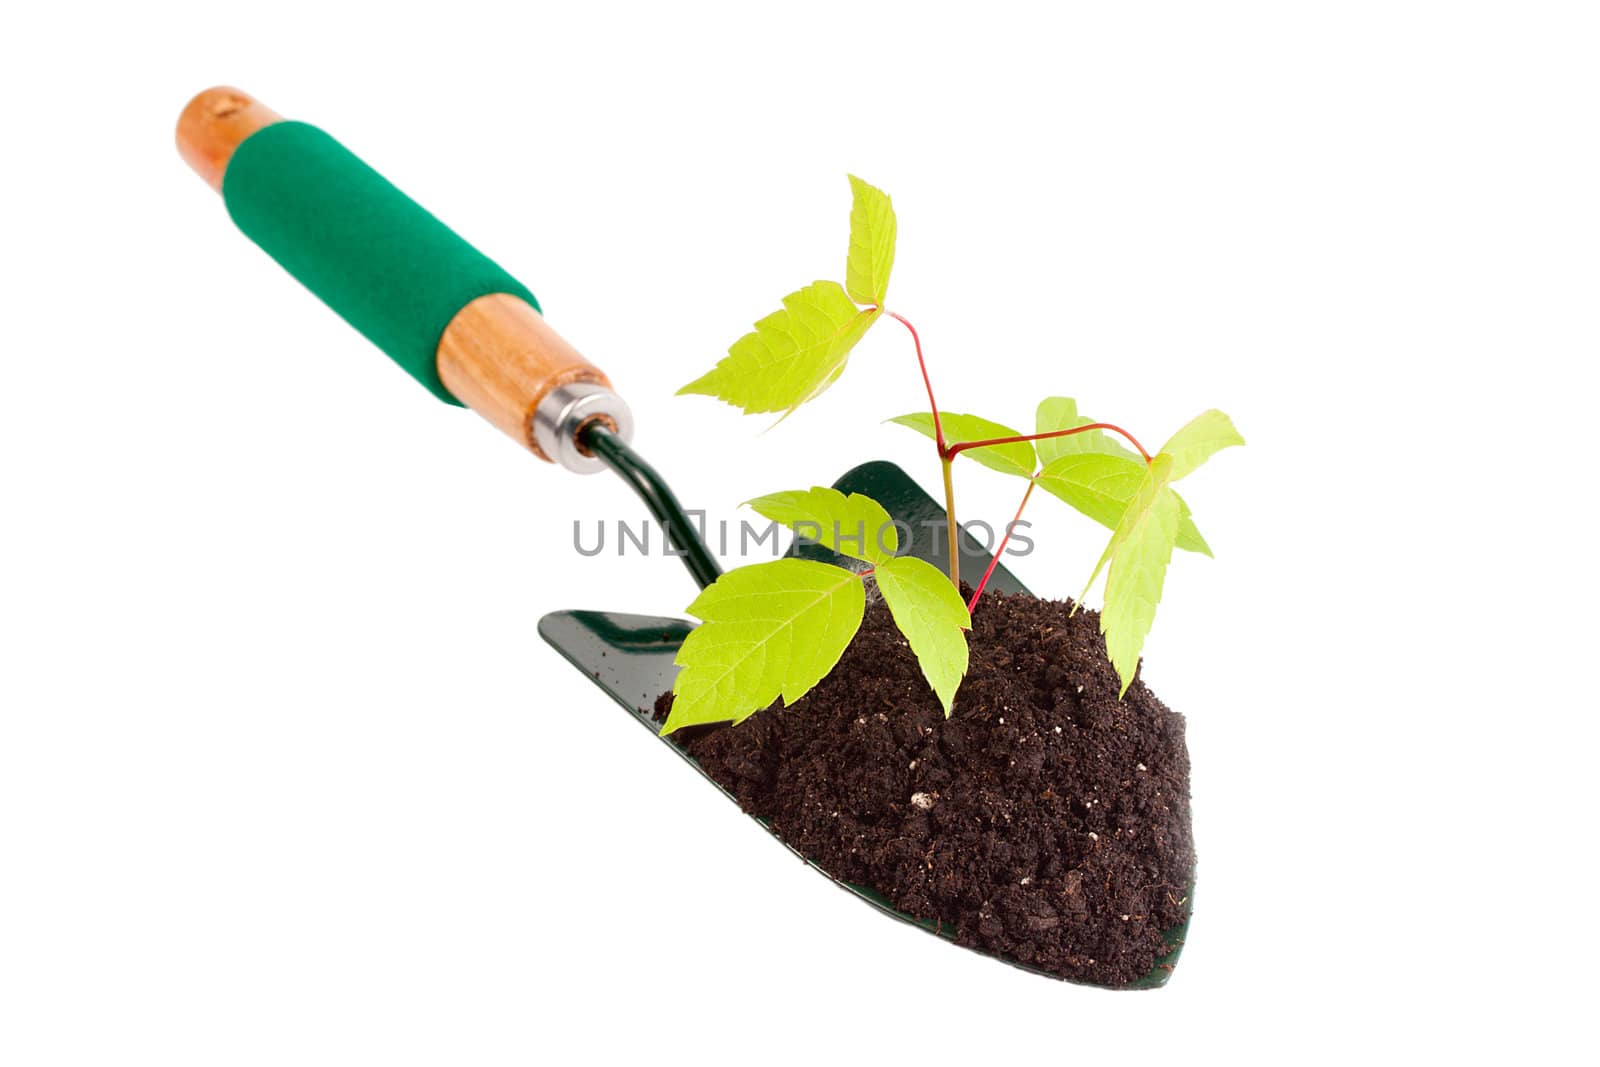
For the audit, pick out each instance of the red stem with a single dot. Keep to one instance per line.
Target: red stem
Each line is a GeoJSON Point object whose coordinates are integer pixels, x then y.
{"type": "Point", "coordinates": [957, 449]}
{"type": "Point", "coordinates": [933, 405]}
{"type": "Point", "coordinates": [949, 452]}
{"type": "Point", "coordinates": [978, 592]}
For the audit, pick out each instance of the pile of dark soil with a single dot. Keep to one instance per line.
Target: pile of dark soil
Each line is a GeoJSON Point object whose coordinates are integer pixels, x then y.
{"type": "Point", "coordinates": [1045, 821]}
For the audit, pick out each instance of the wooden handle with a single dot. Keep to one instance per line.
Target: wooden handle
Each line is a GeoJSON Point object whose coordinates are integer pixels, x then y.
{"type": "Point", "coordinates": [497, 355]}
{"type": "Point", "coordinates": [214, 124]}
{"type": "Point", "coordinates": [501, 359]}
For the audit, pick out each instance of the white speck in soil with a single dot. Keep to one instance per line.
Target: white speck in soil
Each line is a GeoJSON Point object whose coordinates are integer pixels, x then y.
{"type": "Point", "coordinates": [921, 801]}
{"type": "Point", "coordinates": [1142, 767]}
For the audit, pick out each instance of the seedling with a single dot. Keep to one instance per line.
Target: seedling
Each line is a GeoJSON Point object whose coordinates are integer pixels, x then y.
{"type": "Point", "coordinates": [775, 629]}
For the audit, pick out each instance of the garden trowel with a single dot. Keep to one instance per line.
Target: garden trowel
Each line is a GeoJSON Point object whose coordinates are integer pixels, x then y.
{"type": "Point", "coordinates": [473, 335]}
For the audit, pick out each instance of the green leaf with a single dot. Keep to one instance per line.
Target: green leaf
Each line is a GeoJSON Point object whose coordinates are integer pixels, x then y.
{"type": "Point", "coordinates": [767, 630]}
{"type": "Point", "coordinates": [872, 236]}
{"type": "Point", "coordinates": [1015, 458]}
{"type": "Point", "coordinates": [1206, 434]}
{"type": "Point", "coordinates": [1134, 583]}
{"type": "Point", "coordinates": [1189, 538]}
{"type": "Point", "coordinates": [1097, 484]}
{"type": "Point", "coordinates": [792, 355]}
{"type": "Point", "coordinates": [1061, 413]}
{"type": "Point", "coordinates": [931, 614]}
{"type": "Point", "coordinates": [1145, 480]}
{"type": "Point", "coordinates": [1100, 485]}
{"type": "Point", "coordinates": [854, 525]}
{"type": "Point", "coordinates": [1139, 551]}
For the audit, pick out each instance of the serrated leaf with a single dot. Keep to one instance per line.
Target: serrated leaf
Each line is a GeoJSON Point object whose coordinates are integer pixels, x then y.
{"type": "Point", "coordinates": [1139, 552]}
{"type": "Point", "coordinates": [1206, 434]}
{"type": "Point", "coordinates": [854, 525]}
{"type": "Point", "coordinates": [1134, 583]}
{"type": "Point", "coordinates": [792, 355]}
{"type": "Point", "coordinates": [768, 630]}
{"type": "Point", "coordinates": [1061, 413]}
{"type": "Point", "coordinates": [1096, 484]}
{"type": "Point", "coordinates": [1157, 474]}
{"type": "Point", "coordinates": [1100, 485]}
{"type": "Point", "coordinates": [1189, 538]}
{"type": "Point", "coordinates": [1016, 458]}
{"type": "Point", "coordinates": [929, 611]}
{"type": "Point", "coordinates": [872, 237]}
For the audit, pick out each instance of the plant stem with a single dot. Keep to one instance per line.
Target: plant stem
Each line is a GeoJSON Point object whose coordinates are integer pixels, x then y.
{"type": "Point", "coordinates": [984, 581]}
{"type": "Point", "coordinates": [933, 405]}
{"type": "Point", "coordinates": [957, 449]}
{"type": "Point", "coordinates": [950, 524]}
{"type": "Point", "coordinates": [948, 453]}
{"type": "Point", "coordinates": [952, 531]}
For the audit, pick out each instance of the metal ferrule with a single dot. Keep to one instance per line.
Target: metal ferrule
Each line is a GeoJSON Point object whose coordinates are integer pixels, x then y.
{"type": "Point", "coordinates": [565, 411]}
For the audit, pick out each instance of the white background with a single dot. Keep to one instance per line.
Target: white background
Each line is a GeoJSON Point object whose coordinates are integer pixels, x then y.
{"type": "Point", "coordinates": [286, 774]}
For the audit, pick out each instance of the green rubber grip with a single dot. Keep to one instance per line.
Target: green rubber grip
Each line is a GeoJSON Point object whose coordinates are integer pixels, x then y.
{"type": "Point", "coordinates": [371, 253]}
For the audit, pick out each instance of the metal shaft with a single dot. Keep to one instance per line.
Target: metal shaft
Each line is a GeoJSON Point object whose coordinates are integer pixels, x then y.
{"type": "Point", "coordinates": [683, 538]}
